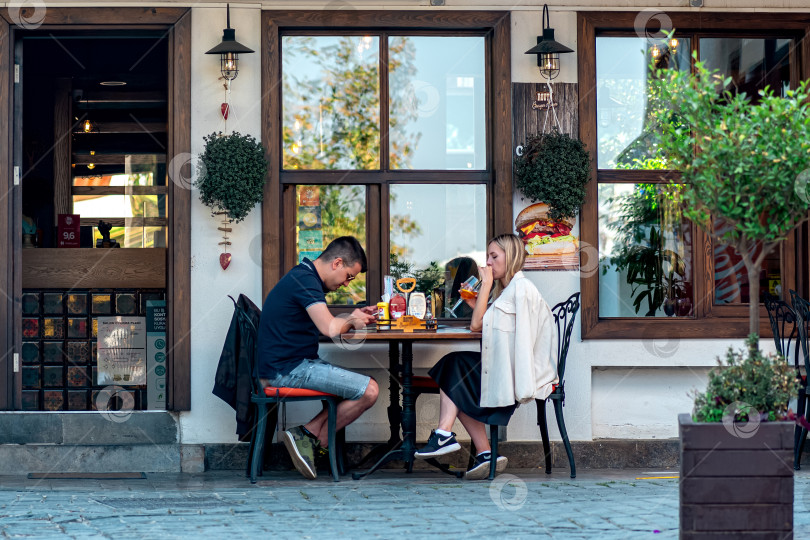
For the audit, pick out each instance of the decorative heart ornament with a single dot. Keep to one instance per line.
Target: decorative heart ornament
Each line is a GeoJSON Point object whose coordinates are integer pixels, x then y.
{"type": "Point", "coordinates": [225, 108]}
{"type": "Point", "coordinates": [224, 260]}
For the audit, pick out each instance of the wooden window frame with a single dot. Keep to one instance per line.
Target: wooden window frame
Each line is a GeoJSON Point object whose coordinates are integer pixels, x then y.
{"type": "Point", "coordinates": [278, 208]}
{"type": "Point", "coordinates": [710, 321]}
{"type": "Point", "coordinates": [177, 24]}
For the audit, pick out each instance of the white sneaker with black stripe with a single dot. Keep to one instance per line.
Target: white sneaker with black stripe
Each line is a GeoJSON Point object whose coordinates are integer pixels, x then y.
{"type": "Point", "coordinates": [438, 445]}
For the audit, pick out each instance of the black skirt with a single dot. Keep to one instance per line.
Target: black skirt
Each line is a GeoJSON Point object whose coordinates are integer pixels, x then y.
{"type": "Point", "coordinates": [459, 376]}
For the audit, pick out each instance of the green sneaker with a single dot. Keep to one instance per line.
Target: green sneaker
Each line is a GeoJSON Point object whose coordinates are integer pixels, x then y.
{"type": "Point", "coordinates": [302, 451]}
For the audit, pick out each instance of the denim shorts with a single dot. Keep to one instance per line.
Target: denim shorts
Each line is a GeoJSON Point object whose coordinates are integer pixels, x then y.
{"type": "Point", "coordinates": [324, 377]}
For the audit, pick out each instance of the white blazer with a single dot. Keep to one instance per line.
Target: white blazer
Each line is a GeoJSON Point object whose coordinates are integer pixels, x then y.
{"type": "Point", "coordinates": [519, 347]}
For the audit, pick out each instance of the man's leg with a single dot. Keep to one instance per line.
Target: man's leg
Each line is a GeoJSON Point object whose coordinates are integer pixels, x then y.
{"type": "Point", "coordinates": [348, 411]}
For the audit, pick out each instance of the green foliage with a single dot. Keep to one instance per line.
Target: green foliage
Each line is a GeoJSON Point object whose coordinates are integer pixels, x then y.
{"type": "Point", "coordinates": [741, 157]}
{"type": "Point", "coordinates": [399, 268]}
{"type": "Point", "coordinates": [554, 169]}
{"type": "Point", "coordinates": [335, 123]}
{"type": "Point", "coordinates": [343, 213]}
{"type": "Point", "coordinates": [763, 384]}
{"type": "Point", "coordinates": [427, 279]}
{"type": "Point", "coordinates": [231, 174]}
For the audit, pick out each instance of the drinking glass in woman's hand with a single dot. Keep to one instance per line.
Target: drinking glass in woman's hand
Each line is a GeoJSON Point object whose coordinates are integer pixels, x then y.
{"type": "Point", "coordinates": [469, 290]}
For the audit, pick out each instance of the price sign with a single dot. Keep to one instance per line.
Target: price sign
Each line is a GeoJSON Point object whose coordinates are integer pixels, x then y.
{"type": "Point", "coordinates": [68, 231]}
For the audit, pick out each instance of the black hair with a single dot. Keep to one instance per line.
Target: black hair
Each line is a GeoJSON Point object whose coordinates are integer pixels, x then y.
{"type": "Point", "coordinates": [348, 249]}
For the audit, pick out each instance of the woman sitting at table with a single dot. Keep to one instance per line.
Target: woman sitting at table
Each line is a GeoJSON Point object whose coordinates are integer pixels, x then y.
{"type": "Point", "coordinates": [518, 363]}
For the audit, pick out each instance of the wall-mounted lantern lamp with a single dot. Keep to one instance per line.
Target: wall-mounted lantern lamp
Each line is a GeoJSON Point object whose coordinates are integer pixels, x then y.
{"type": "Point", "coordinates": [547, 50]}
{"type": "Point", "coordinates": [228, 50]}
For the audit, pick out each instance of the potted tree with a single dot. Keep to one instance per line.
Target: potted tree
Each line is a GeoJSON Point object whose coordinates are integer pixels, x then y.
{"type": "Point", "coordinates": [737, 450]}
{"type": "Point", "coordinates": [742, 159]}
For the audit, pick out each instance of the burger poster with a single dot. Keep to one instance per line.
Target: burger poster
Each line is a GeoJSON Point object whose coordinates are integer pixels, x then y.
{"type": "Point", "coordinates": [549, 244]}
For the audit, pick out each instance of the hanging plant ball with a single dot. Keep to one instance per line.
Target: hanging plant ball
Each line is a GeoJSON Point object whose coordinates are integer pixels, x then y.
{"type": "Point", "coordinates": [554, 169]}
{"type": "Point", "coordinates": [231, 173]}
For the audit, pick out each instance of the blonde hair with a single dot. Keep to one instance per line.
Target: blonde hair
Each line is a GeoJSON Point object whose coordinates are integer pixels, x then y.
{"type": "Point", "coordinates": [512, 246]}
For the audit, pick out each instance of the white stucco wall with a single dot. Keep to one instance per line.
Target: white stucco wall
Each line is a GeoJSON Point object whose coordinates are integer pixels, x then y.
{"type": "Point", "coordinates": [210, 419]}
{"type": "Point", "coordinates": [615, 389]}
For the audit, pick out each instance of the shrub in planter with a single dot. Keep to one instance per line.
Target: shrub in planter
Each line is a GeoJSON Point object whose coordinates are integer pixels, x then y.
{"type": "Point", "coordinates": [231, 173]}
{"type": "Point", "coordinates": [554, 169]}
{"type": "Point", "coordinates": [736, 453]}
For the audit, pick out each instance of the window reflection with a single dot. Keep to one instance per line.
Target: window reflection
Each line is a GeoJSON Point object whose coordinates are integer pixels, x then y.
{"type": "Point", "coordinates": [626, 133]}
{"type": "Point", "coordinates": [331, 102]}
{"type": "Point", "coordinates": [323, 214]}
{"type": "Point", "coordinates": [644, 252]}
{"type": "Point", "coordinates": [731, 285]}
{"type": "Point", "coordinates": [437, 102]}
{"type": "Point", "coordinates": [438, 236]}
{"type": "Point", "coordinates": [751, 64]}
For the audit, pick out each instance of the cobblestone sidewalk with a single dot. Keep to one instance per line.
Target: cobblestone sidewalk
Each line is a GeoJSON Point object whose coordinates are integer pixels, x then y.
{"type": "Point", "coordinates": [601, 504]}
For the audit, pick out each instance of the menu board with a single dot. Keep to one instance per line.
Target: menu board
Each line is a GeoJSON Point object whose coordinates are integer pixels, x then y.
{"type": "Point", "coordinates": [122, 350]}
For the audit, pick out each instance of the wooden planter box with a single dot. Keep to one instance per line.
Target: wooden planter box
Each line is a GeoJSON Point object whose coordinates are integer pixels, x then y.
{"type": "Point", "coordinates": [736, 487]}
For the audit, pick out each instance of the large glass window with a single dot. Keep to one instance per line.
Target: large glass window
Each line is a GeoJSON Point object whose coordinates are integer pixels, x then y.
{"type": "Point", "coordinates": [323, 214]}
{"type": "Point", "coordinates": [409, 175]}
{"type": "Point", "coordinates": [626, 136]}
{"type": "Point", "coordinates": [331, 102]}
{"type": "Point", "coordinates": [438, 235]}
{"type": "Point", "coordinates": [646, 252]}
{"type": "Point", "coordinates": [437, 95]}
{"type": "Point", "coordinates": [654, 264]}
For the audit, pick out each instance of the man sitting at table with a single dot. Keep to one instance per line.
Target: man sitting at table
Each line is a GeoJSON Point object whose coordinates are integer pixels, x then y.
{"type": "Point", "coordinates": [294, 316]}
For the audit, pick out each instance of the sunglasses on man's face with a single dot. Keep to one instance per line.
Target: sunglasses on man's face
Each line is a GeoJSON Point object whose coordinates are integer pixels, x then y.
{"type": "Point", "coordinates": [349, 276]}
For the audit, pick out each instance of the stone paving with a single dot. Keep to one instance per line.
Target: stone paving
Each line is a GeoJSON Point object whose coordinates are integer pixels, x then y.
{"type": "Point", "coordinates": [616, 503]}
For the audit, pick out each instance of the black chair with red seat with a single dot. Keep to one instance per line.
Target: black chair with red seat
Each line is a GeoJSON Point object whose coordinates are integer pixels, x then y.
{"type": "Point", "coordinates": [270, 395]}
{"type": "Point", "coordinates": [564, 315]}
{"type": "Point", "coordinates": [801, 309]}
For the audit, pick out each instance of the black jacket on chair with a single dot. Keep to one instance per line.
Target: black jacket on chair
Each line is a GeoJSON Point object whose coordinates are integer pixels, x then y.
{"type": "Point", "coordinates": [233, 382]}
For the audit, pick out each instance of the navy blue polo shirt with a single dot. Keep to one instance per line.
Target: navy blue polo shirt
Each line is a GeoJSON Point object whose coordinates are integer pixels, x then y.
{"type": "Point", "coordinates": [287, 334]}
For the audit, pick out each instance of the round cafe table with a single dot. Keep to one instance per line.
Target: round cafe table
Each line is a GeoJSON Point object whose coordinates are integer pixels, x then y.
{"type": "Point", "coordinates": [403, 362]}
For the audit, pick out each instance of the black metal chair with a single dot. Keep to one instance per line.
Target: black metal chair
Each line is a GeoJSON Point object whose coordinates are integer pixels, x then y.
{"type": "Point", "coordinates": [783, 326]}
{"type": "Point", "coordinates": [801, 309]}
{"type": "Point", "coordinates": [264, 398]}
{"type": "Point", "coordinates": [564, 315]}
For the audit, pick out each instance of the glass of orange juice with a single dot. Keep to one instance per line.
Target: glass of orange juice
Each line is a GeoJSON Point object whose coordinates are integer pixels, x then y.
{"type": "Point", "coordinates": [468, 290]}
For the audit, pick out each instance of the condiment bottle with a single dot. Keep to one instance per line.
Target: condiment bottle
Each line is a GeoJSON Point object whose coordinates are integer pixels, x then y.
{"type": "Point", "coordinates": [417, 305]}
{"type": "Point", "coordinates": [397, 306]}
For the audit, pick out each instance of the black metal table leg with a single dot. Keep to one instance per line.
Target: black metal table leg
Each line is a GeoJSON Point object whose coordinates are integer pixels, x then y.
{"type": "Point", "coordinates": [394, 409]}
{"type": "Point", "coordinates": [393, 455]}
{"type": "Point", "coordinates": [406, 415]}
{"type": "Point", "coordinates": [408, 409]}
